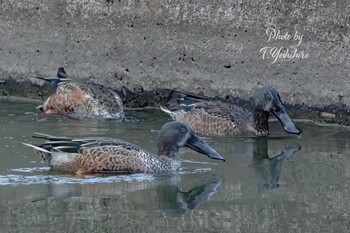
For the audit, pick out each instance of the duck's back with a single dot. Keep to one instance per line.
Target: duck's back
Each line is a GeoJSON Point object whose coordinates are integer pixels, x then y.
{"type": "Point", "coordinates": [218, 119]}
{"type": "Point", "coordinates": [212, 118]}
{"type": "Point", "coordinates": [84, 100]}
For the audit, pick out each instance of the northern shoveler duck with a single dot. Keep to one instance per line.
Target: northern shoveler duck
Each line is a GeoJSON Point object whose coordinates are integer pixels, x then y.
{"type": "Point", "coordinates": [109, 155]}
{"type": "Point", "coordinates": [269, 168]}
{"type": "Point", "coordinates": [81, 100]}
{"type": "Point", "coordinates": [216, 118]}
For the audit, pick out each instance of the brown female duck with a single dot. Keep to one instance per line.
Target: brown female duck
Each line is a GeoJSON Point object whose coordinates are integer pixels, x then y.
{"type": "Point", "coordinates": [98, 155]}
{"type": "Point", "coordinates": [216, 118]}
{"type": "Point", "coordinates": [81, 100]}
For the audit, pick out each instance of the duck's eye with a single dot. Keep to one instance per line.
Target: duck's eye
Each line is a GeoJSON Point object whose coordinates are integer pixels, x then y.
{"type": "Point", "coordinates": [183, 130]}
{"type": "Point", "coordinates": [268, 97]}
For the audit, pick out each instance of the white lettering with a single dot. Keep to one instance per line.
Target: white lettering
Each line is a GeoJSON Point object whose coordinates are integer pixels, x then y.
{"type": "Point", "coordinates": [282, 53]}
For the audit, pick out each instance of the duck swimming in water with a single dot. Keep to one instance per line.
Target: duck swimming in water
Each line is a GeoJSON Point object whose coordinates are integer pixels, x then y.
{"type": "Point", "coordinates": [109, 155]}
{"type": "Point", "coordinates": [81, 100]}
{"type": "Point", "coordinates": [216, 118]}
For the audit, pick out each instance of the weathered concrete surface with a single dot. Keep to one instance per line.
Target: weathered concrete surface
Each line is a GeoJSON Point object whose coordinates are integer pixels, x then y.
{"type": "Point", "coordinates": [206, 46]}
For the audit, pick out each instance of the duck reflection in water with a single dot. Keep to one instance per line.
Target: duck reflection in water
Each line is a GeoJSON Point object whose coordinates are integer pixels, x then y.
{"type": "Point", "coordinates": [174, 201]}
{"type": "Point", "coordinates": [268, 167]}
{"type": "Point", "coordinates": [172, 195]}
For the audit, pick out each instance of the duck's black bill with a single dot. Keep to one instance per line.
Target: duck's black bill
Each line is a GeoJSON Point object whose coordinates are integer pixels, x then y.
{"type": "Point", "coordinates": [287, 123]}
{"type": "Point", "coordinates": [202, 147]}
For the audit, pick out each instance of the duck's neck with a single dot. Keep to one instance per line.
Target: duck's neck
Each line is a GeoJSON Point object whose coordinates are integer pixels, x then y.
{"type": "Point", "coordinates": [261, 121]}
{"type": "Point", "coordinates": [168, 150]}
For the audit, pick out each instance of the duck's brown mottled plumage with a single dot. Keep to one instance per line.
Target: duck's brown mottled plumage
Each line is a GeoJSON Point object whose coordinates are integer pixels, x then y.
{"type": "Point", "coordinates": [216, 118]}
{"type": "Point", "coordinates": [98, 155]}
{"type": "Point", "coordinates": [82, 100]}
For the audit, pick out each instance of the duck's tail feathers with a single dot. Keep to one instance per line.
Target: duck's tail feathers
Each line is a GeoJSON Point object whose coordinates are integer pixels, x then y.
{"type": "Point", "coordinates": [59, 78]}
{"type": "Point", "coordinates": [50, 137]}
{"type": "Point", "coordinates": [40, 108]}
{"type": "Point", "coordinates": [186, 95]}
{"type": "Point", "coordinates": [189, 101]}
{"type": "Point", "coordinates": [177, 110]}
{"type": "Point", "coordinates": [171, 113]}
{"type": "Point", "coordinates": [44, 154]}
{"type": "Point", "coordinates": [60, 144]}
{"type": "Point", "coordinates": [185, 100]}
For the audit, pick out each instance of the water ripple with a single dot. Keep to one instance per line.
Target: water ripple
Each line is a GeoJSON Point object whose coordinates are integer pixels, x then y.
{"type": "Point", "coordinates": [18, 179]}
{"type": "Point", "coordinates": [30, 169]}
{"type": "Point", "coordinates": [52, 178]}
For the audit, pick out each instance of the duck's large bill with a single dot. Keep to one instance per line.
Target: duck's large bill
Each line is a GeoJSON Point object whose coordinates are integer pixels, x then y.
{"type": "Point", "coordinates": [287, 123]}
{"type": "Point", "coordinates": [202, 147]}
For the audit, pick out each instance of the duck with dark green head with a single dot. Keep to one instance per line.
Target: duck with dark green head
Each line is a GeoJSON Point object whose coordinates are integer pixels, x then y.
{"type": "Point", "coordinates": [109, 155]}
{"type": "Point", "coordinates": [217, 118]}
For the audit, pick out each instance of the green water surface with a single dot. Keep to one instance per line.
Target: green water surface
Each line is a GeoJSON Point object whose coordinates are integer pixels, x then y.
{"type": "Point", "coordinates": [276, 184]}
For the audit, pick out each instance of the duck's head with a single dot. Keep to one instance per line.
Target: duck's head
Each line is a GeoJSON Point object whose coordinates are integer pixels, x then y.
{"type": "Point", "coordinates": [268, 99]}
{"type": "Point", "coordinates": [174, 135]}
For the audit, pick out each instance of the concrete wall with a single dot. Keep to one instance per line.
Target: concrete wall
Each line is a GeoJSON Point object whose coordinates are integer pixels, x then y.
{"type": "Point", "coordinates": [209, 46]}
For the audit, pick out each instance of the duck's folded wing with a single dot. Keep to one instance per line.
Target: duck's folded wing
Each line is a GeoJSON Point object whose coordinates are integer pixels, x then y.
{"type": "Point", "coordinates": [210, 110]}
{"type": "Point", "coordinates": [215, 109]}
{"type": "Point", "coordinates": [103, 95]}
{"type": "Point", "coordinates": [110, 159]}
{"type": "Point", "coordinates": [68, 144]}
{"type": "Point", "coordinates": [93, 142]}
